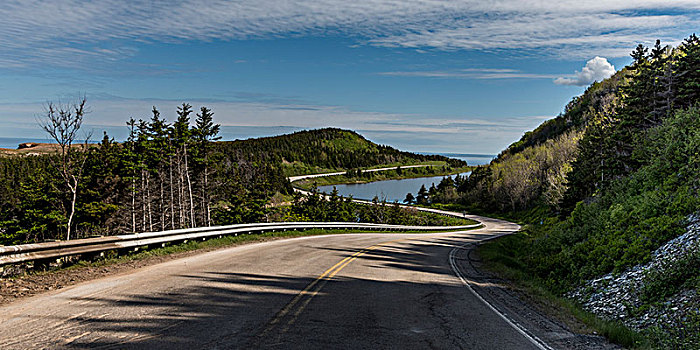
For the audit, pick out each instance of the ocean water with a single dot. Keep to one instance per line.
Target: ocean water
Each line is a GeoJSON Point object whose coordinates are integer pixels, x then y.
{"type": "Point", "coordinates": [471, 159]}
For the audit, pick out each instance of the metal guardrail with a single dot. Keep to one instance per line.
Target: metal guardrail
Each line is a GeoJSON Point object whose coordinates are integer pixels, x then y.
{"type": "Point", "coordinates": [50, 250]}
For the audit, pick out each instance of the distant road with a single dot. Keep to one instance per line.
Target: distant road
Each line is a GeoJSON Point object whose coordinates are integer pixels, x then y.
{"type": "Point", "coordinates": [360, 291]}
{"type": "Point", "coordinates": [302, 177]}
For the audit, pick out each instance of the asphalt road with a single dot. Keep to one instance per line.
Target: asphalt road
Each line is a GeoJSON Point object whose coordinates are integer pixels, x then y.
{"type": "Point", "coordinates": [302, 177]}
{"type": "Point", "coordinates": [336, 291]}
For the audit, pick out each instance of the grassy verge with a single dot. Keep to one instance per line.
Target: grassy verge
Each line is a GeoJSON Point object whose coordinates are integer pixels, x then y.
{"type": "Point", "coordinates": [432, 219]}
{"type": "Point", "coordinates": [392, 174]}
{"type": "Point", "coordinates": [500, 257]}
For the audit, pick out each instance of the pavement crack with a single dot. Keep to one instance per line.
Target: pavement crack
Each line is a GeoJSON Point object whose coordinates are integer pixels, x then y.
{"type": "Point", "coordinates": [434, 300]}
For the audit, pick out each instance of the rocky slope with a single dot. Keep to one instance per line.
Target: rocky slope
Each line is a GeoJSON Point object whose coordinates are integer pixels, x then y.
{"type": "Point", "coordinates": [624, 297]}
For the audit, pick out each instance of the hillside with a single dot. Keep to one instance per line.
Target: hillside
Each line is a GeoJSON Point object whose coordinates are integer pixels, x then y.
{"type": "Point", "coordinates": [322, 150]}
{"type": "Point", "coordinates": [606, 186]}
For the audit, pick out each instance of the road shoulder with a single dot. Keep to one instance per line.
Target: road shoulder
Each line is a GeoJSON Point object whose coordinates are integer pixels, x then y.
{"type": "Point", "coordinates": [526, 312]}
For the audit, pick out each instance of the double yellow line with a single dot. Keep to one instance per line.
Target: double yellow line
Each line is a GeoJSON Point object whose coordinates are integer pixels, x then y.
{"type": "Point", "coordinates": [291, 311]}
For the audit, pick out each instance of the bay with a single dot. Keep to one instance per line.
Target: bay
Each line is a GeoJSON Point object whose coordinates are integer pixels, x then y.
{"type": "Point", "coordinates": [391, 190]}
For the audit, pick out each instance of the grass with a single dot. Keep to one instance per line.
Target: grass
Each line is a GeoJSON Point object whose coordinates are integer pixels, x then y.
{"type": "Point", "coordinates": [498, 257]}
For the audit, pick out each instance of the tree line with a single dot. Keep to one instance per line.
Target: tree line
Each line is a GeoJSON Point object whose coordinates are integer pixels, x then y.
{"type": "Point", "coordinates": [167, 174]}
{"type": "Point", "coordinates": [160, 178]}
{"type": "Point", "coordinates": [319, 206]}
{"type": "Point", "coordinates": [169, 168]}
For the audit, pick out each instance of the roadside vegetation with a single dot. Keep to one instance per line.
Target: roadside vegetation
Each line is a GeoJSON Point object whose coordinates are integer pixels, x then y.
{"type": "Point", "coordinates": [604, 185]}
{"type": "Point", "coordinates": [502, 258]}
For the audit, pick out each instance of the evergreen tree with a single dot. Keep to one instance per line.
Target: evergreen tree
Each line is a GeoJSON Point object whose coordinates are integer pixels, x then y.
{"type": "Point", "coordinates": [422, 195]}
{"type": "Point", "coordinates": [182, 140]}
{"type": "Point", "coordinates": [409, 198]}
{"type": "Point", "coordinates": [689, 72]}
{"type": "Point", "coordinates": [205, 132]}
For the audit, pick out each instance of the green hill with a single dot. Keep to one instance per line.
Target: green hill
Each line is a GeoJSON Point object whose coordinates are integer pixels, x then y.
{"type": "Point", "coordinates": [323, 150]}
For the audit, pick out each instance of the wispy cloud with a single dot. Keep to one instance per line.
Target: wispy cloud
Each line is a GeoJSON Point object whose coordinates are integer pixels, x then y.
{"type": "Point", "coordinates": [471, 73]}
{"type": "Point", "coordinates": [74, 33]}
{"type": "Point", "coordinates": [574, 33]}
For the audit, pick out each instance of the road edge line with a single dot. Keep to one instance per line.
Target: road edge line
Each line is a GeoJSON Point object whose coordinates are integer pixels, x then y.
{"type": "Point", "coordinates": [539, 343]}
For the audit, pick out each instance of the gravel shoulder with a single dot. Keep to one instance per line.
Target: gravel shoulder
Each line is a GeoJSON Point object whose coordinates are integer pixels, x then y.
{"type": "Point", "coordinates": [556, 329]}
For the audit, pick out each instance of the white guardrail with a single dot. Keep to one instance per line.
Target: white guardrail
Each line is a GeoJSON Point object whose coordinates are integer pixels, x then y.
{"type": "Point", "coordinates": [51, 250]}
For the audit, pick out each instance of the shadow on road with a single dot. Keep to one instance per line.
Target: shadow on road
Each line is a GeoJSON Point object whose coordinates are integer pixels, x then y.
{"type": "Point", "coordinates": [396, 296]}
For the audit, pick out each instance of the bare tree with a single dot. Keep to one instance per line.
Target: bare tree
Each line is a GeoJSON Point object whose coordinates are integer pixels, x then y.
{"type": "Point", "coordinates": [62, 121]}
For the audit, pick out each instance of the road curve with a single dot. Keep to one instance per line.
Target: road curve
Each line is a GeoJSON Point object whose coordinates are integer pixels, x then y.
{"type": "Point", "coordinates": [302, 177]}
{"type": "Point", "coordinates": [333, 291]}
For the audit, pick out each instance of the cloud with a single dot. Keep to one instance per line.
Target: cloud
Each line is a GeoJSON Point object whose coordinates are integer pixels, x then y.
{"type": "Point", "coordinates": [471, 73]}
{"type": "Point", "coordinates": [558, 33]}
{"type": "Point", "coordinates": [596, 69]}
{"type": "Point", "coordinates": [79, 34]}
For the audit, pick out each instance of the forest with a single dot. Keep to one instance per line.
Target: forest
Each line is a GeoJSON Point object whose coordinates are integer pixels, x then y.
{"type": "Point", "coordinates": [170, 175]}
{"type": "Point", "coordinates": [606, 183]}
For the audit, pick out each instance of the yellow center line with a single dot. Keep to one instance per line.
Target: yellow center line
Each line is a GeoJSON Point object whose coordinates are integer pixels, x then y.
{"type": "Point", "coordinates": [282, 313]}
{"type": "Point", "coordinates": [320, 286]}
{"type": "Point", "coordinates": [317, 285]}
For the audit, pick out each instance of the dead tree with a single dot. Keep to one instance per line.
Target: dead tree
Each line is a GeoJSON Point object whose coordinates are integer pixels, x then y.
{"type": "Point", "coordinates": [62, 122]}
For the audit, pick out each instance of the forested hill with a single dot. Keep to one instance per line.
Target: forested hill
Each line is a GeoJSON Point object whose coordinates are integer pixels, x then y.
{"type": "Point", "coordinates": [533, 171]}
{"type": "Point", "coordinates": [612, 185]}
{"type": "Point", "coordinates": [600, 138]}
{"type": "Point", "coordinates": [313, 151]}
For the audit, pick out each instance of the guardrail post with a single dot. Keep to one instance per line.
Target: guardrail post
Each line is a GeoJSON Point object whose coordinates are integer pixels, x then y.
{"type": "Point", "coordinates": [156, 246]}
{"type": "Point", "coordinates": [43, 264]}
{"type": "Point", "coordinates": [93, 256]}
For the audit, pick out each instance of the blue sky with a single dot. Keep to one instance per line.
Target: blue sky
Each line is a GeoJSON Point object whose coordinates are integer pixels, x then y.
{"type": "Point", "coordinates": [428, 75]}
